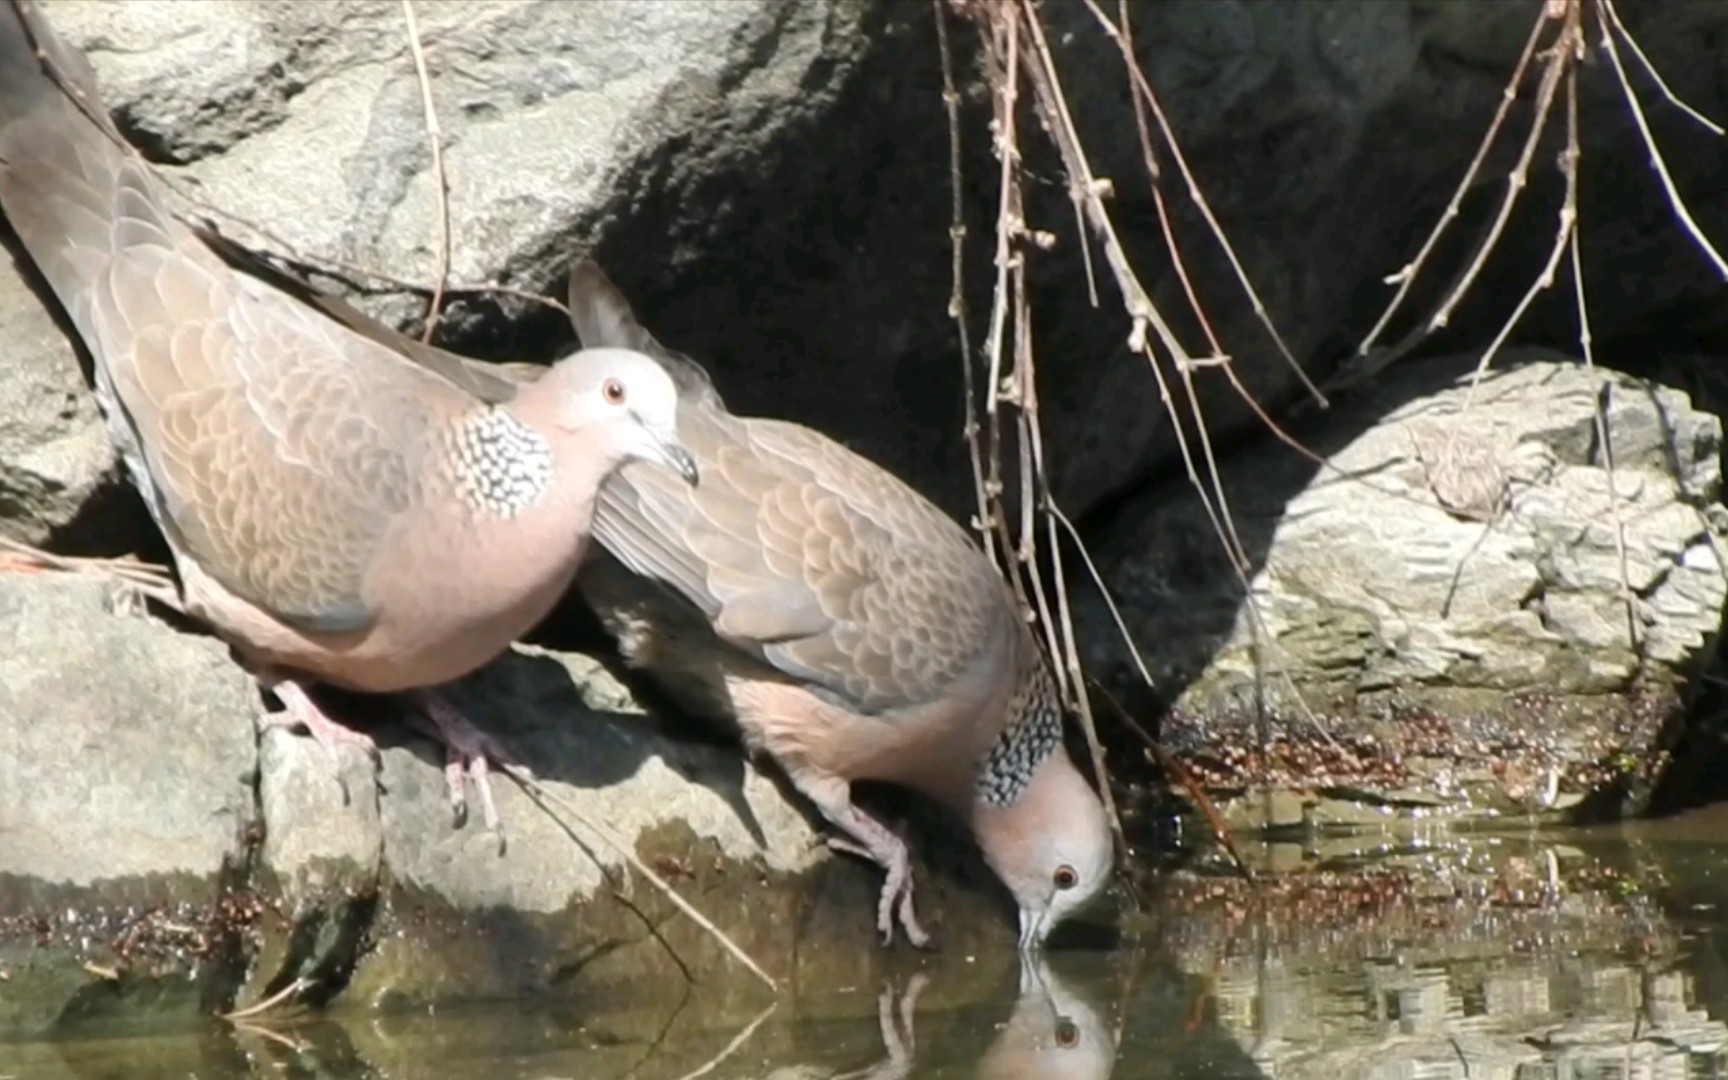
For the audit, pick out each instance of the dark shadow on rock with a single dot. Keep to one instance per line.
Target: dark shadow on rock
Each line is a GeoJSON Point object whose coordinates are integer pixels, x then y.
{"type": "Point", "coordinates": [113, 520]}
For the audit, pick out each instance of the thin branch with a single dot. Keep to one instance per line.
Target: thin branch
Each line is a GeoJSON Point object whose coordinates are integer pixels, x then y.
{"type": "Point", "coordinates": [627, 851]}
{"type": "Point", "coordinates": [1143, 86]}
{"type": "Point", "coordinates": [292, 989]}
{"type": "Point", "coordinates": [1608, 8]}
{"type": "Point", "coordinates": [434, 137]}
{"type": "Point", "coordinates": [295, 1045]}
{"type": "Point", "coordinates": [1142, 312]}
{"type": "Point", "coordinates": [1571, 34]}
{"type": "Point", "coordinates": [1009, 228]}
{"type": "Point", "coordinates": [1104, 590]}
{"type": "Point", "coordinates": [957, 299]}
{"type": "Point", "coordinates": [1599, 414]}
{"type": "Point", "coordinates": [1407, 276]}
{"type": "Point", "coordinates": [1656, 159]}
{"type": "Point", "coordinates": [1184, 779]}
{"type": "Point", "coordinates": [1560, 61]}
{"type": "Point", "coordinates": [1070, 655]}
{"type": "Point", "coordinates": [732, 1047]}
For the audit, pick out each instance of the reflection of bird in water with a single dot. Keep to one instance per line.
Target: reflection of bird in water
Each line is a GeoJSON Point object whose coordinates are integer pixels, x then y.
{"type": "Point", "coordinates": [901, 1051]}
{"type": "Point", "coordinates": [1053, 1032]}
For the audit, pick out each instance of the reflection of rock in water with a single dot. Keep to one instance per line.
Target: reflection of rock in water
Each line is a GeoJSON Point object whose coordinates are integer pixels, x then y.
{"type": "Point", "coordinates": [1539, 963]}
{"type": "Point", "coordinates": [1054, 1032]}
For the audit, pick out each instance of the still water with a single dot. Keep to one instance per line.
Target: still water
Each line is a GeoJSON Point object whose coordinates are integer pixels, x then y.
{"type": "Point", "coordinates": [1579, 954]}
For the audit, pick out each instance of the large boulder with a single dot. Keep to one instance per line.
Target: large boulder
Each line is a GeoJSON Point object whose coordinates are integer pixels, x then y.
{"type": "Point", "coordinates": [1452, 612]}
{"type": "Point", "coordinates": [769, 183]}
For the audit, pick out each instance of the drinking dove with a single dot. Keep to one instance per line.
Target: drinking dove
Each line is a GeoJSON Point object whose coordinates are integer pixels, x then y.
{"type": "Point", "coordinates": [336, 511]}
{"type": "Point", "coordinates": [852, 630]}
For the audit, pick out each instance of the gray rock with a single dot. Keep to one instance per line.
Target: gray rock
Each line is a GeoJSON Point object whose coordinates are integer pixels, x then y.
{"type": "Point", "coordinates": [769, 183]}
{"type": "Point", "coordinates": [126, 773]}
{"type": "Point", "coordinates": [159, 860]}
{"type": "Point", "coordinates": [1445, 592]}
{"type": "Point", "coordinates": [54, 454]}
{"type": "Point", "coordinates": [126, 749]}
{"type": "Point", "coordinates": [545, 108]}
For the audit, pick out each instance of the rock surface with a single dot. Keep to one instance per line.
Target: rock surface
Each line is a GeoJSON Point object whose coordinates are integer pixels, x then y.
{"type": "Point", "coordinates": [1439, 620]}
{"type": "Point", "coordinates": [158, 859]}
{"type": "Point", "coordinates": [769, 184]}
{"type": "Point", "coordinates": [54, 456]}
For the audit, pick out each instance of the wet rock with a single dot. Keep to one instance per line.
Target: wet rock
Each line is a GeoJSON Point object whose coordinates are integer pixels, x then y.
{"type": "Point", "coordinates": [1446, 593]}
{"type": "Point", "coordinates": [558, 911]}
{"type": "Point", "coordinates": [126, 772]}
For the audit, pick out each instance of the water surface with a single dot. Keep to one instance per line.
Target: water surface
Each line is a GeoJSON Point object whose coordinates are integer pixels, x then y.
{"type": "Point", "coordinates": [1512, 956]}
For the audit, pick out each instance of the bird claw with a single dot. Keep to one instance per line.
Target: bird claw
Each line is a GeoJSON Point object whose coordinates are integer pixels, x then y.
{"type": "Point", "coordinates": [300, 711]}
{"type": "Point", "coordinates": [895, 901]}
{"type": "Point", "coordinates": [469, 754]}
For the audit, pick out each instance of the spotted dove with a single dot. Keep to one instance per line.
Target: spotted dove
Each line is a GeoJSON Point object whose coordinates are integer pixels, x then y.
{"type": "Point", "coordinates": [850, 628]}
{"type": "Point", "coordinates": [337, 512]}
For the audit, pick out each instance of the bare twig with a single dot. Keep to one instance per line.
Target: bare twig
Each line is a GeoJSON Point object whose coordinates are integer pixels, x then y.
{"type": "Point", "coordinates": [296, 1045]}
{"type": "Point", "coordinates": [1570, 39]}
{"type": "Point", "coordinates": [1600, 413]}
{"type": "Point", "coordinates": [1144, 314]}
{"type": "Point", "coordinates": [1184, 779]}
{"type": "Point", "coordinates": [1656, 160]}
{"type": "Point", "coordinates": [1608, 9]}
{"type": "Point", "coordinates": [435, 138]}
{"type": "Point", "coordinates": [289, 991]}
{"type": "Point", "coordinates": [732, 1047]}
{"type": "Point", "coordinates": [957, 299]}
{"type": "Point", "coordinates": [1144, 98]}
{"type": "Point", "coordinates": [545, 796]}
{"type": "Point", "coordinates": [1104, 591]}
{"type": "Point", "coordinates": [1019, 389]}
{"type": "Point", "coordinates": [1560, 59]}
{"type": "Point", "coordinates": [1407, 276]}
{"type": "Point", "coordinates": [1010, 227]}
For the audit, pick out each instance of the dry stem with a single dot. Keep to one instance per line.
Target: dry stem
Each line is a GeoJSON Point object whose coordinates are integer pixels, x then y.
{"type": "Point", "coordinates": [435, 138]}
{"type": "Point", "coordinates": [957, 299]}
{"type": "Point", "coordinates": [1657, 162]}
{"type": "Point", "coordinates": [289, 991]}
{"type": "Point", "coordinates": [1015, 40]}
{"type": "Point", "coordinates": [546, 797]}
{"type": "Point", "coordinates": [1144, 99]}
{"type": "Point", "coordinates": [732, 1047]}
{"type": "Point", "coordinates": [1406, 277]}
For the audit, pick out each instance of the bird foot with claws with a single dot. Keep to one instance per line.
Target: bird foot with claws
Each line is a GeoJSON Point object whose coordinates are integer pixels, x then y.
{"type": "Point", "coordinates": [469, 756]}
{"type": "Point", "coordinates": [881, 846]}
{"type": "Point", "coordinates": [299, 710]}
